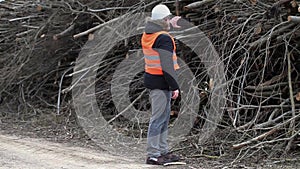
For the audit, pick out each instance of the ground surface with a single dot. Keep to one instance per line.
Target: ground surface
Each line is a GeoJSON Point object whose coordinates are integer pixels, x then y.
{"type": "Point", "coordinates": [28, 153]}
{"type": "Point", "coordinates": [27, 145]}
{"type": "Point", "coordinates": [31, 153]}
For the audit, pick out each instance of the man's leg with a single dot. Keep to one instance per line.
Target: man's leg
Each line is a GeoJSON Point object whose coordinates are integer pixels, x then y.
{"type": "Point", "coordinates": [164, 132]}
{"type": "Point", "coordinates": [164, 149]}
{"type": "Point", "coordinates": [158, 104]}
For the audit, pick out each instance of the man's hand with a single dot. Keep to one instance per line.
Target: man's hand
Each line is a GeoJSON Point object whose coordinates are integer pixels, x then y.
{"type": "Point", "coordinates": [174, 21]}
{"type": "Point", "coordinates": [175, 94]}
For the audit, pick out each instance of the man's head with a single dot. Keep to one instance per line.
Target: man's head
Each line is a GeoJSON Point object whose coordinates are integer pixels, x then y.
{"type": "Point", "coordinates": [161, 15]}
{"type": "Point", "coordinates": [160, 12]}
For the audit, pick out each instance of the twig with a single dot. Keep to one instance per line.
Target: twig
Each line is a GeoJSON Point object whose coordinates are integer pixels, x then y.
{"type": "Point", "coordinates": [273, 121]}
{"type": "Point", "coordinates": [275, 140]}
{"type": "Point", "coordinates": [96, 28]}
{"type": "Point", "coordinates": [266, 38]}
{"type": "Point", "coordinates": [260, 137]}
{"type": "Point", "coordinates": [264, 87]}
{"type": "Point", "coordinates": [24, 33]}
{"type": "Point", "coordinates": [8, 7]}
{"type": "Point", "coordinates": [64, 33]}
{"type": "Point", "coordinates": [197, 4]}
{"type": "Point", "coordinates": [262, 4]}
{"type": "Point", "coordinates": [59, 90]}
{"type": "Point", "coordinates": [257, 106]}
{"type": "Point", "coordinates": [75, 83]}
{"type": "Point", "coordinates": [30, 26]}
{"type": "Point", "coordinates": [107, 9]}
{"type": "Point", "coordinates": [204, 155]}
{"type": "Point", "coordinates": [280, 2]}
{"type": "Point", "coordinates": [177, 7]}
{"type": "Point", "coordinates": [292, 124]}
{"type": "Point", "coordinates": [26, 17]}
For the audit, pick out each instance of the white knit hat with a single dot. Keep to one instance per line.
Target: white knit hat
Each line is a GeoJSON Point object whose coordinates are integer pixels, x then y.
{"type": "Point", "coordinates": [160, 12]}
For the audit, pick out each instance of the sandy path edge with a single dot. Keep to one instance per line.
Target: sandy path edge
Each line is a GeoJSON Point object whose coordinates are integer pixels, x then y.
{"type": "Point", "coordinates": [31, 153]}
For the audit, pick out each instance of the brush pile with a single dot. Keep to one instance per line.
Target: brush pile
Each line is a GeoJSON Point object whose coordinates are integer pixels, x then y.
{"type": "Point", "coordinates": [259, 44]}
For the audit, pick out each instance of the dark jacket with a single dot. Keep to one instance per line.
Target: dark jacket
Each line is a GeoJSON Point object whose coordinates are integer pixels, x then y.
{"type": "Point", "coordinates": [164, 46]}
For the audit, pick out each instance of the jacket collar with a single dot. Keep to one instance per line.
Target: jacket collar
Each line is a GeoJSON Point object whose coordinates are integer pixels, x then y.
{"type": "Point", "coordinates": [153, 26]}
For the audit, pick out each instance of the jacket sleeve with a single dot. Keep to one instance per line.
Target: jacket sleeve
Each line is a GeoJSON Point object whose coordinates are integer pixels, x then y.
{"type": "Point", "coordinates": [164, 46]}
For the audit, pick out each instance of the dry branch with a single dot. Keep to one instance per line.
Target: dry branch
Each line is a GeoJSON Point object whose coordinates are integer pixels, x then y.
{"type": "Point", "coordinates": [94, 28]}
{"type": "Point", "coordinates": [197, 4]}
{"type": "Point", "coordinates": [281, 2]}
{"type": "Point", "coordinates": [265, 87]}
{"type": "Point", "coordinates": [263, 40]}
{"type": "Point", "coordinates": [64, 33]}
{"type": "Point", "coordinates": [258, 138]}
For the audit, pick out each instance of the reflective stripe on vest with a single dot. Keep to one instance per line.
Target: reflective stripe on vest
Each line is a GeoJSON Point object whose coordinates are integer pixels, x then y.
{"type": "Point", "coordinates": [152, 60]}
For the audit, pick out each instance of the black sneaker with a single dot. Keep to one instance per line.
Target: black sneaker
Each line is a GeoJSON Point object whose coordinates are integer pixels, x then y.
{"type": "Point", "coordinates": [172, 157]}
{"type": "Point", "coordinates": [161, 160]}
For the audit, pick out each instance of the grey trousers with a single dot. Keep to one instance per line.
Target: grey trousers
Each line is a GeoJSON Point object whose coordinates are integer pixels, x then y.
{"type": "Point", "coordinates": [158, 126]}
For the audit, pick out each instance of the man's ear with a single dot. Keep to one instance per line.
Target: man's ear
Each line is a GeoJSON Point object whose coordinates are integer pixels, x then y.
{"type": "Point", "coordinates": [165, 25]}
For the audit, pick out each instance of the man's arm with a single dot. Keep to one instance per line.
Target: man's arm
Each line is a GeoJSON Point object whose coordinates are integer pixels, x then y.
{"type": "Point", "coordinates": [164, 46]}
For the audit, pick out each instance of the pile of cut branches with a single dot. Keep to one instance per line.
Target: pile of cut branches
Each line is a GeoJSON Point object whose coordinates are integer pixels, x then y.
{"type": "Point", "coordinates": [259, 44]}
{"type": "Point", "coordinates": [38, 48]}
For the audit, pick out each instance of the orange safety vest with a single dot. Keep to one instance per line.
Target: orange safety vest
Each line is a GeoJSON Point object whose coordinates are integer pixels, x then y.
{"type": "Point", "coordinates": [152, 60]}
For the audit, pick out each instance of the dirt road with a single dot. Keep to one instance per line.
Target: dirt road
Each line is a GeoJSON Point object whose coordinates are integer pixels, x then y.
{"type": "Point", "coordinates": [28, 153]}
{"type": "Point", "coordinates": [31, 153]}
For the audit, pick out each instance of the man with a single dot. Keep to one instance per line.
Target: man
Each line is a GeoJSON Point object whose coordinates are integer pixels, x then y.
{"type": "Point", "coordinates": [161, 78]}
